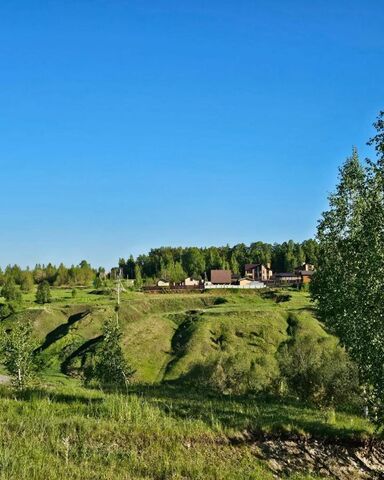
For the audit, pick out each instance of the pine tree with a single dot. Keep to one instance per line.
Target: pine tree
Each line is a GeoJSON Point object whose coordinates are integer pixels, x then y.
{"type": "Point", "coordinates": [112, 369]}
{"type": "Point", "coordinates": [43, 293]}
{"type": "Point", "coordinates": [138, 278]}
{"type": "Point", "coordinates": [11, 291]}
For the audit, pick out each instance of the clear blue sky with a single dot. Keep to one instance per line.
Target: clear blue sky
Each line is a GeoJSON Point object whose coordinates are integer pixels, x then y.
{"type": "Point", "coordinates": [126, 125]}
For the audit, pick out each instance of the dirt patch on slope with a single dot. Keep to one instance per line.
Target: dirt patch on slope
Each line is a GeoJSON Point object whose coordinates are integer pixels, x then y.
{"type": "Point", "coordinates": [325, 458]}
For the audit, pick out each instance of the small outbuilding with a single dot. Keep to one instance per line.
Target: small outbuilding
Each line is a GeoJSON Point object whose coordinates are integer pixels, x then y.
{"type": "Point", "coordinates": [221, 277]}
{"type": "Point", "coordinates": [191, 282]}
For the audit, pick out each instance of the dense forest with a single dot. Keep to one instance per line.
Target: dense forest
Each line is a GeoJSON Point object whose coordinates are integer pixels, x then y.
{"type": "Point", "coordinates": [176, 263]}
{"type": "Point", "coordinates": [173, 263]}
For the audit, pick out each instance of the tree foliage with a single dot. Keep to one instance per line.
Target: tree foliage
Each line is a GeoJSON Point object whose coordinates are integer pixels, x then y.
{"type": "Point", "coordinates": [349, 282]}
{"type": "Point", "coordinates": [43, 293]}
{"type": "Point", "coordinates": [10, 291]}
{"type": "Point", "coordinates": [172, 263]}
{"type": "Point", "coordinates": [318, 370]}
{"type": "Point", "coordinates": [111, 367]}
{"type": "Point", "coordinates": [17, 349]}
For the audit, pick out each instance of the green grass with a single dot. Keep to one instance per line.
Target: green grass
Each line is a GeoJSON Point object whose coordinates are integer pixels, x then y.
{"type": "Point", "coordinates": [150, 433]}
{"type": "Point", "coordinates": [255, 327]}
{"type": "Point", "coordinates": [162, 428]}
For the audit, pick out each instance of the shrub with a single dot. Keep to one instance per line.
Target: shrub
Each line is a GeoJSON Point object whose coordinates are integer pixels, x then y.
{"type": "Point", "coordinates": [318, 370]}
{"type": "Point", "coordinates": [97, 283]}
{"type": "Point", "coordinates": [5, 310]}
{"type": "Point", "coordinates": [11, 291]}
{"type": "Point", "coordinates": [234, 375]}
{"type": "Point", "coordinates": [26, 281]}
{"type": "Point", "coordinates": [43, 293]}
{"type": "Point", "coordinates": [220, 301]}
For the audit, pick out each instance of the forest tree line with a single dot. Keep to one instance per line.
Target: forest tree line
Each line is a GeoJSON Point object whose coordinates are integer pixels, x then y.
{"type": "Point", "coordinates": [177, 263]}
{"type": "Point", "coordinates": [82, 274]}
{"type": "Point", "coordinates": [172, 263]}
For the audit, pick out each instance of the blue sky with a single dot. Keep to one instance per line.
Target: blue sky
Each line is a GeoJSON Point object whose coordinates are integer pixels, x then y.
{"type": "Point", "coordinates": [126, 125]}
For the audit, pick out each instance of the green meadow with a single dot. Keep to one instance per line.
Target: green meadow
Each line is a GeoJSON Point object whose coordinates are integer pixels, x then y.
{"type": "Point", "coordinates": [168, 424]}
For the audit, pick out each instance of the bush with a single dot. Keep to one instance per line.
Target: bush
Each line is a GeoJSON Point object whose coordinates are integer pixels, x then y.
{"type": "Point", "coordinates": [26, 281]}
{"type": "Point", "coordinates": [220, 301]}
{"type": "Point", "coordinates": [283, 298]}
{"type": "Point", "coordinates": [276, 296]}
{"type": "Point", "coordinates": [43, 293]}
{"type": "Point", "coordinates": [11, 291]}
{"type": "Point", "coordinates": [97, 283]}
{"type": "Point", "coordinates": [318, 370]}
{"type": "Point", "coordinates": [6, 310]}
{"type": "Point", "coordinates": [234, 375]}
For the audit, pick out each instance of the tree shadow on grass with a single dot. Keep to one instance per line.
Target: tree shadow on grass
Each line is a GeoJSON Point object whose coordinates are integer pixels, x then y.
{"type": "Point", "coordinates": [262, 416]}
{"type": "Point", "coordinates": [34, 394]}
{"type": "Point", "coordinates": [62, 330]}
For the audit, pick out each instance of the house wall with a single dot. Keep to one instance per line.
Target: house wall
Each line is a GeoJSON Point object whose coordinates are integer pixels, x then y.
{"type": "Point", "coordinates": [259, 272]}
{"type": "Point", "coordinates": [190, 282]}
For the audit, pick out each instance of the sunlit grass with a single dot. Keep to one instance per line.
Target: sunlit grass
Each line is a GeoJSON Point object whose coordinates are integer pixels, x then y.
{"type": "Point", "coordinates": [150, 433]}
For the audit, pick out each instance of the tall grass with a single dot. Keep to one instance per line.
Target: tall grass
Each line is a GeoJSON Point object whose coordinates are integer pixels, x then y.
{"type": "Point", "coordinates": [150, 433]}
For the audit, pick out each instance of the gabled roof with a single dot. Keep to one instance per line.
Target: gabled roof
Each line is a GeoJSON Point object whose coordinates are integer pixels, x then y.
{"type": "Point", "coordinates": [252, 266]}
{"type": "Point", "coordinates": [306, 272]}
{"type": "Point", "coordinates": [286, 274]}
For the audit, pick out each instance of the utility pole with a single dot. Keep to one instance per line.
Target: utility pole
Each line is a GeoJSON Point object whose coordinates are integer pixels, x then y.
{"type": "Point", "coordinates": [119, 289]}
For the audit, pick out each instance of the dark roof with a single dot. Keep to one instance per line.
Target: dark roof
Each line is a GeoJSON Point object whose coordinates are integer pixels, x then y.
{"type": "Point", "coordinates": [305, 272]}
{"type": "Point", "coordinates": [286, 274]}
{"type": "Point", "coordinates": [251, 266]}
{"type": "Point", "coordinates": [221, 276]}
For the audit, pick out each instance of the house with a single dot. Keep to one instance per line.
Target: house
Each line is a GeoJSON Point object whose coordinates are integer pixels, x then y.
{"type": "Point", "coordinates": [258, 271]}
{"type": "Point", "coordinates": [190, 282]}
{"type": "Point", "coordinates": [306, 270]}
{"type": "Point", "coordinates": [288, 277]}
{"type": "Point", "coordinates": [162, 283]}
{"type": "Point", "coordinates": [221, 277]}
{"type": "Point", "coordinates": [244, 281]}
{"type": "Point", "coordinates": [305, 267]}
{"type": "Point", "coordinates": [306, 275]}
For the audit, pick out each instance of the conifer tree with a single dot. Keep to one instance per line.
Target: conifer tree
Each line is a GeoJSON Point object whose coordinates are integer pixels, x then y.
{"type": "Point", "coordinates": [112, 369]}
{"type": "Point", "coordinates": [43, 293]}
{"type": "Point", "coordinates": [138, 278]}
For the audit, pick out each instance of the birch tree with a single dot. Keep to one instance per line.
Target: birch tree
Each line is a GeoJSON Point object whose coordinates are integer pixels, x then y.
{"type": "Point", "coordinates": [349, 283]}
{"type": "Point", "coordinates": [17, 348]}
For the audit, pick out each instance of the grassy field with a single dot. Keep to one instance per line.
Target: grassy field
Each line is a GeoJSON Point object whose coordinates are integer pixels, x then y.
{"type": "Point", "coordinates": [163, 427]}
{"type": "Point", "coordinates": [149, 433]}
{"type": "Point", "coordinates": [156, 340]}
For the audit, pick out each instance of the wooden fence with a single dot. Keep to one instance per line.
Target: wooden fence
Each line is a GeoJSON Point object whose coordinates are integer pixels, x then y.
{"type": "Point", "coordinates": [174, 289]}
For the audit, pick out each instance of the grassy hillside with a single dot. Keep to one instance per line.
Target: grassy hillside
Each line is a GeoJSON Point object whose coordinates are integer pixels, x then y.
{"type": "Point", "coordinates": [166, 337]}
{"type": "Point", "coordinates": [167, 426]}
